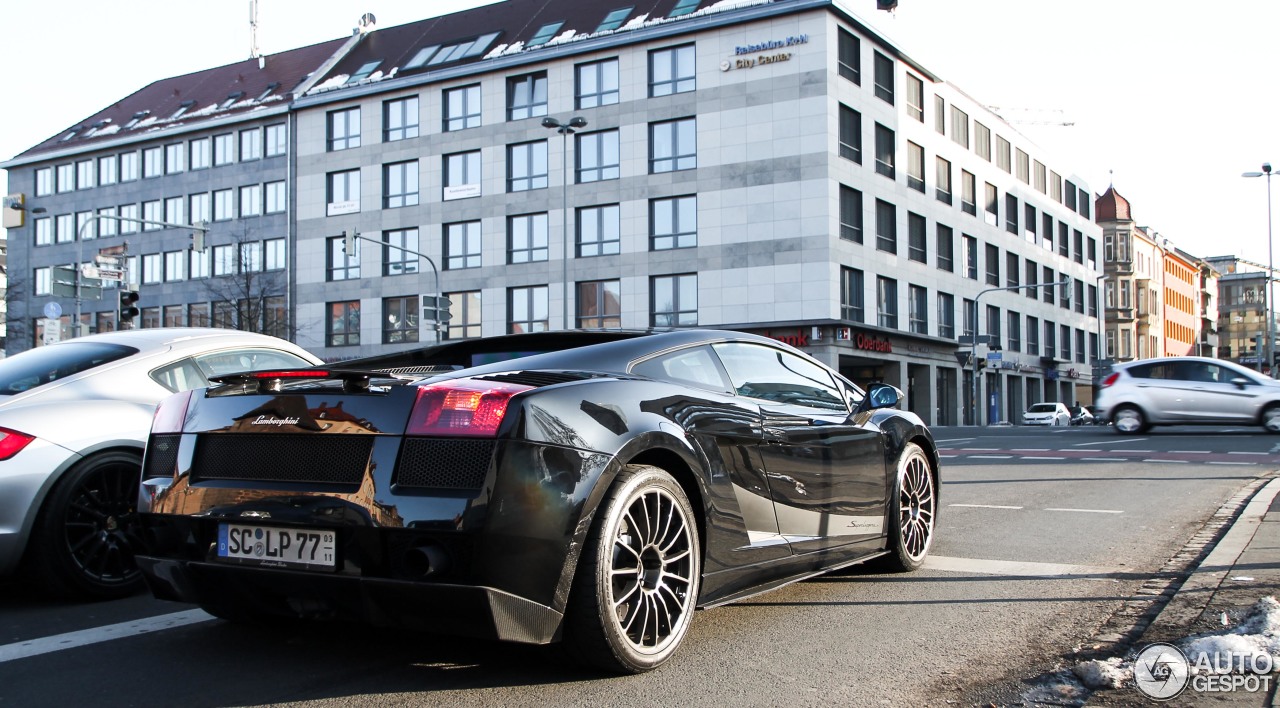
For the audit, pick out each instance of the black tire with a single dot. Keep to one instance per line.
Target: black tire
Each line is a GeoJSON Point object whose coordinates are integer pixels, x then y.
{"type": "Point", "coordinates": [1271, 418]}
{"type": "Point", "coordinates": [913, 511]}
{"type": "Point", "coordinates": [83, 542]}
{"type": "Point", "coordinates": [1129, 420]}
{"type": "Point", "coordinates": [636, 585]}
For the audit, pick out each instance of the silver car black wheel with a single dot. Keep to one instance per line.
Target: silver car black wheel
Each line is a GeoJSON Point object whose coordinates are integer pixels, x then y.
{"type": "Point", "coordinates": [1271, 419]}
{"type": "Point", "coordinates": [637, 584]}
{"type": "Point", "coordinates": [914, 511]}
{"type": "Point", "coordinates": [1129, 421]}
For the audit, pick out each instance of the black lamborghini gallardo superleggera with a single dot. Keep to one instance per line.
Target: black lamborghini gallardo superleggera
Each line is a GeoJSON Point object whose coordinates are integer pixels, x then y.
{"type": "Point", "coordinates": [585, 487]}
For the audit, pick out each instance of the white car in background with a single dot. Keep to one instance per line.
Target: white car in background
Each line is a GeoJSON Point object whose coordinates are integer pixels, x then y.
{"type": "Point", "coordinates": [1054, 414]}
{"type": "Point", "coordinates": [1187, 390]}
{"type": "Point", "coordinates": [74, 418]}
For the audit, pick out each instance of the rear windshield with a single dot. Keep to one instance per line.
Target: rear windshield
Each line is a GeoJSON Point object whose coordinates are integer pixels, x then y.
{"type": "Point", "coordinates": [36, 367]}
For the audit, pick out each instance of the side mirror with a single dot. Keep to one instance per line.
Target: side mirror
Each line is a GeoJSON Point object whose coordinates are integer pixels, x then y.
{"type": "Point", "coordinates": [1240, 381]}
{"type": "Point", "coordinates": [883, 396]}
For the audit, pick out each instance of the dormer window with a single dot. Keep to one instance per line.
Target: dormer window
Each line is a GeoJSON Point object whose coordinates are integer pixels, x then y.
{"type": "Point", "coordinates": [544, 34]}
{"type": "Point", "coordinates": [72, 134]}
{"type": "Point", "coordinates": [137, 117]}
{"type": "Point", "coordinates": [684, 7]}
{"type": "Point", "coordinates": [422, 56]}
{"type": "Point", "coordinates": [270, 87]}
{"type": "Point", "coordinates": [231, 99]}
{"type": "Point", "coordinates": [363, 72]}
{"type": "Point", "coordinates": [614, 19]}
{"type": "Point", "coordinates": [182, 108]}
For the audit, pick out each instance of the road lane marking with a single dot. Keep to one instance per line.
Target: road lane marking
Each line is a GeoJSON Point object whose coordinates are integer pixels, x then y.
{"type": "Point", "coordinates": [1190, 452]}
{"type": "Point", "coordinates": [985, 506]}
{"type": "Point", "coordinates": [1029, 449]}
{"type": "Point", "coordinates": [1088, 511]}
{"type": "Point", "coordinates": [1105, 459]}
{"type": "Point", "coordinates": [1234, 452]}
{"type": "Point", "coordinates": [1180, 462]}
{"type": "Point", "coordinates": [1001, 567]}
{"type": "Point", "coordinates": [1041, 457]}
{"type": "Point", "coordinates": [991, 457]}
{"type": "Point", "coordinates": [1237, 464]}
{"type": "Point", "coordinates": [953, 440]}
{"type": "Point", "coordinates": [1113, 442]}
{"type": "Point", "coordinates": [85, 637]}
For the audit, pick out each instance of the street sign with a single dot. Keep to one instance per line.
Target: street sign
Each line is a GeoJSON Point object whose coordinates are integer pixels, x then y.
{"type": "Point", "coordinates": [52, 331]}
{"type": "Point", "coordinates": [994, 356]}
{"type": "Point", "coordinates": [112, 274]}
{"type": "Point", "coordinates": [52, 310]}
{"type": "Point", "coordinates": [435, 308]}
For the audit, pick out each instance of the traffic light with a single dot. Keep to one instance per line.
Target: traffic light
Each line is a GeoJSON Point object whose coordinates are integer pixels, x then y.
{"type": "Point", "coordinates": [128, 306]}
{"type": "Point", "coordinates": [349, 242]}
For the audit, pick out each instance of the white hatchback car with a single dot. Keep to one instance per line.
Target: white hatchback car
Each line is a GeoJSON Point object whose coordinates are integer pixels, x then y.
{"type": "Point", "coordinates": [1047, 414]}
{"type": "Point", "coordinates": [74, 418]}
{"type": "Point", "coordinates": [1188, 390]}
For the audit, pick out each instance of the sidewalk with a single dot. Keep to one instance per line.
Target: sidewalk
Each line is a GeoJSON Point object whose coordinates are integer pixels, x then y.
{"type": "Point", "coordinates": [1243, 567]}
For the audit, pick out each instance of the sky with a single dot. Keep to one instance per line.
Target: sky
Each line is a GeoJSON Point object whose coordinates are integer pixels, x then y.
{"type": "Point", "coordinates": [1170, 101]}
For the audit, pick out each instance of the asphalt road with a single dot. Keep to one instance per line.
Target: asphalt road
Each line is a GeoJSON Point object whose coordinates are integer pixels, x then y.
{"type": "Point", "coordinates": [1043, 533]}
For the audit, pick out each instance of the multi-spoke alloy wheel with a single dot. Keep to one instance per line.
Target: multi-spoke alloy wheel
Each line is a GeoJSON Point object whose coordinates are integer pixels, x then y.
{"type": "Point", "coordinates": [87, 531]}
{"type": "Point", "coordinates": [915, 506]}
{"type": "Point", "coordinates": [1129, 421]}
{"type": "Point", "coordinates": [637, 582]}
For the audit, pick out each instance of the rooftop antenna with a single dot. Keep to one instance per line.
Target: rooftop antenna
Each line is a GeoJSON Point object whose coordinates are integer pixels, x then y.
{"type": "Point", "coordinates": [254, 53]}
{"type": "Point", "coordinates": [367, 23]}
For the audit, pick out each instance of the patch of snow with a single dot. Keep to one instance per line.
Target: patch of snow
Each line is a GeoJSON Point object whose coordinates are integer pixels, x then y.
{"type": "Point", "coordinates": [332, 83]}
{"type": "Point", "coordinates": [1059, 689]}
{"type": "Point", "coordinates": [1095, 674]}
{"type": "Point", "coordinates": [635, 22]}
{"type": "Point", "coordinates": [145, 122]}
{"type": "Point", "coordinates": [108, 130]}
{"type": "Point", "coordinates": [565, 36]}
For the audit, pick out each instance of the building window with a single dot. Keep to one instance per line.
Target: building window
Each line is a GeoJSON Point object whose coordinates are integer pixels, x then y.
{"type": "Point", "coordinates": [917, 240]}
{"type": "Point", "coordinates": [671, 70]}
{"type": "Point", "coordinates": [600, 304]}
{"type": "Point", "coordinates": [1078, 297]}
{"type": "Point", "coordinates": [527, 166]}
{"type": "Point", "coordinates": [1010, 213]}
{"type": "Point", "coordinates": [1029, 221]}
{"type": "Point", "coordinates": [992, 205]}
{"type": "Point", "coordinates": [675, 300]}
{"type": "Point", "coordinates": [150, 317]}
{"type": "Point", "coordinates": [128, 166]}
{"type": "Point", "coordinates": [993, 265]}
{"type": "Point", "coordinates": [67, 178]}
{"type": "Point", "coordinates": [673, 223]}
{"type": "Point", "coordinates": [886, 146]}
{"type": "Point", "coordinates": [344, 129]}
{"type": "Point", "coordinates": [129, 212]}
{"type": "Point", "coordinates": [1030, 270]}
{"type": "Point", "coordinates": [276, 198]}
{"type": "Point", "coordinates": [918, 309]}
{"type": "Point", "coordinates": [940, 115]}
{"type": "Point", "coordinates": [84, 172]}
{"type": "Point", "coordinates": [397, 256]}
{"type": "Point", "coordinates": [1023, 166]}
{"type": "Point", "coordinates": [527, 309]}
{"type": "Point", "coordinates": [152, 269]}
{"type": "Point", "coordinates": [1078, 254]}
{"type": "Point", "coordinates": [884, 78]}
{"type": "Point", "coordinates": [107, 171]}
{"type": "Point", "coordinates": [849, 56]}
{"type": "Point", "coordinates": [886, 227]}
{"type": "Point", "coordinates": [43, 281]}
{"type": "Point", "coordinates": [1004, 154]}
{"type": "Point", "coordinates": [851, 294]}
{"type": "Point", "coordinates": [915, 166]}
{"type": "Point", "coordinates": [65, 228]}
{"type": "Point", "coordinates": [173, 210]}
{"type": "Point", "coordinates": [224, 149]}
{"type": "Point", "coordinates": [344, 193]}
{"type": "Point", "coordinates": [343, 265]}
{"type": "Point", "coordinates": [400, 119]}
{"type": "Point", "coordinates": [915, 97]}
{"type": "Point", "coordinates": [277, 139]}
{"type": "Point", "coordinates": [886, 302]}
{"type": "Point", "coordinates": [943, 176]}
{"type": "Point", "coordinates": [946, 247]}
{"type": "Point", "coordinates": [946, 315]}
{"type": "Point", "coordinates": [152, 163]}
{"type": "Point", "coordinates": [462, 107]}
{"type": "Point", "coordinates": [400, 319]}
{"type": "Point", "coordinates": [968, 193]}
{"type": "Point", "coordinates": [464, 311]}
{"type": "Point", "coordinates": [175, 265]}
{"type": "Point", "coordinates": [400, 184]}
{"type": "Point", "coordinates": [527, 238]}
{"type": "Point", "coordinates": [251, 257]}
{"type": "Point", "coordinates": [153, 211]}
{"type": "Point", "coordinates": [1064, 339]}
{"type": "Point", "coordinates": [850, 134]}
{"type": "Point", "coordinates": [342, 328]}
{"type": "Point", "coordinates": [44, 181]}
{"type": "Point", "coordinates": [1064, 246]}
{"type": "Point", "coordinates": [1033, 335]}
{"type": "Point", "coordinates": [673, 145]}
{"type": "Point", "coordinates": [527, 96]}
{"type": "Point", "coordinates": [1013, 320]}
{"type": "Point", "coordinates": [960, 127]}
{"type": "Point", "coordinates": [1047, 294]}
{"type": "Point", "coordinates": [251, 200]}
{"type": "Point", "coordinates": [275, 254]}
{"type": "Point", "coordinates": [597, 156]}
{"type": "Point", "coordinates": [599, 231]}
{"type": "Point", "coordinates": [850, 214]}
{"type": "Point", "coordinates": [462, 175]}
{"type": "Point", "coordinates": [597, 83]}
{"type": "Point", "coordinates": [462, 245]}
{"type": "Point", "coordinates": [1012, 270]}
{"type": "Point", "coordinates": [251, 144]}
{"type": "Point", "coordinates": [199, 153]}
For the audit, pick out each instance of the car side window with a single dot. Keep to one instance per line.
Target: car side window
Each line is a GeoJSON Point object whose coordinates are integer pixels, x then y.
{"type": "Point", "coordinates": [233, 361]}
{"type": "Point", "coordinates": [696, 367]}
{"type": "Point", "coordinates": [180, 376]}
{"type": "Point", "coordinates": [770, 374]}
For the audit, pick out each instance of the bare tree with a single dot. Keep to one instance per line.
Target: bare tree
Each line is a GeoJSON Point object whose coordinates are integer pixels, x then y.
{"type": "Point", "coordinates": [250, 299]}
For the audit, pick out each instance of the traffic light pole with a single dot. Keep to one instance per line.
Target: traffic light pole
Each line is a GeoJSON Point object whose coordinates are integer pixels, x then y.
{"type": "Point", "coordinates": [977, 325]}
{"type": "Point", "coordinates": [348, 247]}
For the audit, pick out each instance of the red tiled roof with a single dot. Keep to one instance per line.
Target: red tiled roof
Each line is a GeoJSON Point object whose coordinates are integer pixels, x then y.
{"type": "Point", "coordinates": [1112, 207]}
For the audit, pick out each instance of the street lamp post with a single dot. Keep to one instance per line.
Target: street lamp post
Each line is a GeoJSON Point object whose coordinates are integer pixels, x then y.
{"type": "Point", "coordinates": [977, 325]}
{"type": "Point", "coordinates": [1268, 298]}
{"type": "Point", "coordinates": [565, 130]}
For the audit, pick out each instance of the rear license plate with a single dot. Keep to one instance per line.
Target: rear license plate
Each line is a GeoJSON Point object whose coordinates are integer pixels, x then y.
{"type": "Point", "coordinates": [277, 547]}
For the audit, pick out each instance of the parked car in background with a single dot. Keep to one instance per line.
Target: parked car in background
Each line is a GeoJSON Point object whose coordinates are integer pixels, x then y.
{"type": "Point", "coordinates": [1188, 390]}
{"type": "Point", "coordinates": [1082, 415]}
{"type": "Point", "coordinates": [588, 487]}
{"type": "Point", "coordinates": [1054, 414]}
{"type": "Point", "coordinates": [74, 418]}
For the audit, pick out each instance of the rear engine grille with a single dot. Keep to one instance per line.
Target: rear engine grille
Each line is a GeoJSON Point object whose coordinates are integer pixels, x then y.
{"type": "Point", "coordinates": [444, 463]}
{"type": "Point", "coordinates": [162, 455]}
{"type": "Point", "coordinates": [536, 378]}
{"type": "Point", "coordinates": [308, 459]}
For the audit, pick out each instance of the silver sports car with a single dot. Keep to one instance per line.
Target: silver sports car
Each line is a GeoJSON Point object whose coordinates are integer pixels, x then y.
{"type": "Point", "coordinates": [74, 418]}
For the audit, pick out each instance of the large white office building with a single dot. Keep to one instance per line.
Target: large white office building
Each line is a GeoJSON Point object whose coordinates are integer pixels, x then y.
{"type": "Point", "coordinates": [775, 167]}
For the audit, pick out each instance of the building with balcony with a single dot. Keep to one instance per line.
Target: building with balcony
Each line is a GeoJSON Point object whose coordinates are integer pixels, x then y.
{"type": "Point", "coordinates": [777, 167]}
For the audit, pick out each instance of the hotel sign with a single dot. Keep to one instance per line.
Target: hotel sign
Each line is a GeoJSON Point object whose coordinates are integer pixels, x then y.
{"type": "Point", "coordinates": [764, 53]}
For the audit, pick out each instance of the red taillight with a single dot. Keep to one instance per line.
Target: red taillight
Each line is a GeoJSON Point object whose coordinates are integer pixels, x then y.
{"type": "Point", "coordinates": [291, 374]}
{"type": "Point", "coordinates": [171, 413]}
{"type": "Point", "coordinates": [467, 407]}
{"type": "Point", "coordinates": [12, 442]}
{"type": "Point", "coordinates": [1110, 379]}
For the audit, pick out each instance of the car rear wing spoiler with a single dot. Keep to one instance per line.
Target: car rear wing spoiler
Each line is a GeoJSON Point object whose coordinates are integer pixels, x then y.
{"type": "Point", "coordinates": [272, 380]}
